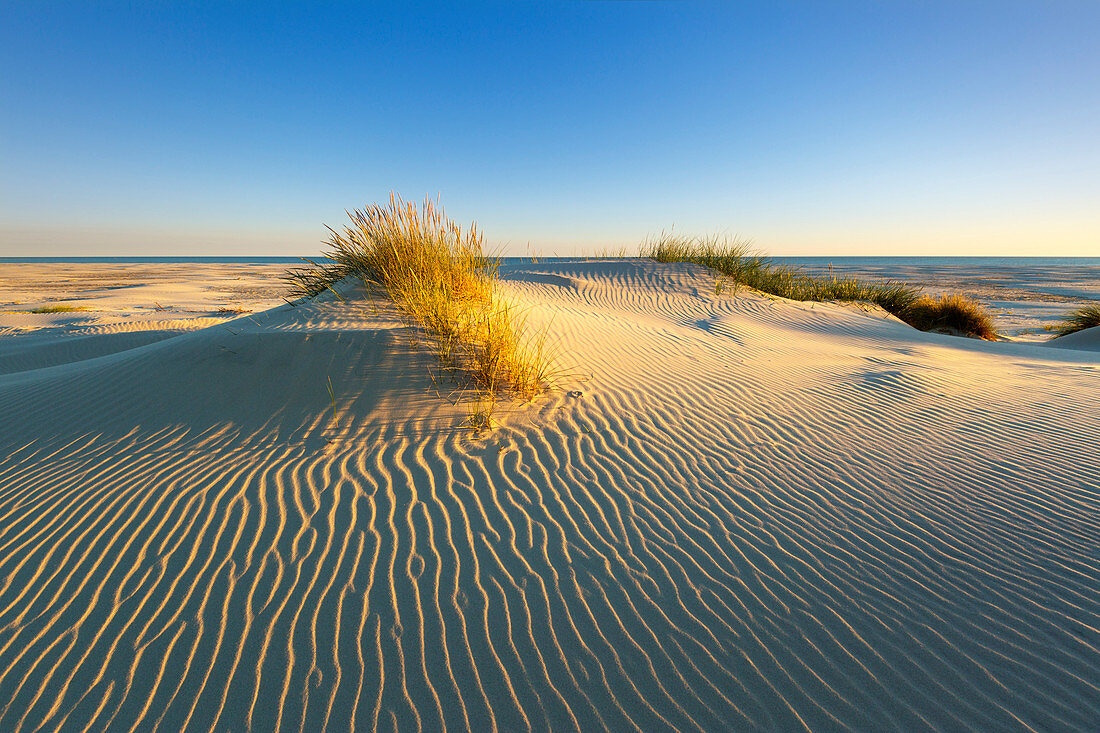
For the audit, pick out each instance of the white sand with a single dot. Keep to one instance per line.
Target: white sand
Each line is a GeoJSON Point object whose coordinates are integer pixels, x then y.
{"type": "Point", "coordinates": [744, 513]}
{"type": "Point", "coordinates": [1087, 339]}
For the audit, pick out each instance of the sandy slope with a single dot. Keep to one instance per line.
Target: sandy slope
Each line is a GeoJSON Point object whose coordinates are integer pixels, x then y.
{"type": "Point", "coordinates": [1086, 339]}
{"type": "Point", "coordinates": [748, 513]}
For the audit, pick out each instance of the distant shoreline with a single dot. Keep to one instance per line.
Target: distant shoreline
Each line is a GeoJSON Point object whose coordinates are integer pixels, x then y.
{"type": "Point", "coordinates": [1027, 295]}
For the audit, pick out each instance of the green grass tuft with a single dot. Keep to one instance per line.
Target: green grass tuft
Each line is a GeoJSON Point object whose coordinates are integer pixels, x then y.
{"type": "Point", "coordinates": [445, 285]}
{"type": "Point", "coordinates": [1078, 320]}
{"type": "Point", "coordinates": [736, 262]}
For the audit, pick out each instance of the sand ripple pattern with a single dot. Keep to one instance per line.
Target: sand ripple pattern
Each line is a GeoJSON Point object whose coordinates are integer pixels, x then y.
{"type": "Point", "coordinates": [755, 515]}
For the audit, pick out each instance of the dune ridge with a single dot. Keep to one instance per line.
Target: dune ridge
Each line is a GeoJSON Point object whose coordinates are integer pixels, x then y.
{"type": "Point", "coordinates": [743, 513]}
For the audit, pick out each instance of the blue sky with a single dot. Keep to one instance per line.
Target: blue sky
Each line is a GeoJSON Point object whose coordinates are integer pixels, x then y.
{"type": "Point", "coordinates": [812, 128]}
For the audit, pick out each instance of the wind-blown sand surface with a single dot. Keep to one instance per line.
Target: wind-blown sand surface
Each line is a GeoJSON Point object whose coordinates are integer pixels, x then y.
{"type": "Point", "coordinates": [748, 513]}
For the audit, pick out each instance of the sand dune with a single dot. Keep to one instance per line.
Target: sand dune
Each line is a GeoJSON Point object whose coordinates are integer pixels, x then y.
{"type": "Point", "coordinates": [740, 513]}
{"type": "Point", "coordinates": [1087, 339]}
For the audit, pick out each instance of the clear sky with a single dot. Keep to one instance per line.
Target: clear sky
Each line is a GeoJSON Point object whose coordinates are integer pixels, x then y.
{"type": "Point", "coordinates": [827, 128]}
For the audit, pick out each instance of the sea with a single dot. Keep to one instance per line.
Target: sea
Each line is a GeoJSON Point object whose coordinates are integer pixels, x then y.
{"type": "Point", "coordinates": [1027, 295]}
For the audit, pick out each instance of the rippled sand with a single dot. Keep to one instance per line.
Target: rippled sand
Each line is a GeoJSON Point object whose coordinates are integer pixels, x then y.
{"type": "Point", "coordinates": [738, 513]}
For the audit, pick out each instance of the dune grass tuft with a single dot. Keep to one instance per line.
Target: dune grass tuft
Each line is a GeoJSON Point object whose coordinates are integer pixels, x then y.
{"type": "Point", "coordinates": [952, 314]}
{"type": "Point", "coordinates": [479, 415]}
{"type": "Point", "coordinates": [735, 260]}
{"type": "Point", "coordinates": [738, 264]}
{"type": "Point", "coordinates": [1078, 320]}
{"type": "Point", "coordinates": [439, 276]}
{"type": "Point", "coordinates": [58, 309]}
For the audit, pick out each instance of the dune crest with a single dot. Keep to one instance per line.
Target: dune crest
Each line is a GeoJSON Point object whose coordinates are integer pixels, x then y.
{"type": "Point", "coordinates": [742, 513]}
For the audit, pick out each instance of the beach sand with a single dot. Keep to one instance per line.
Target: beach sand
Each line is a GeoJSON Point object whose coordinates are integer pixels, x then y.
{"type": "Point", "coordinates": [737, 512]}
{"type": "Point", "coordinates": [1025, 296]}
{"type": "Point", "coordinates": [119, 306]}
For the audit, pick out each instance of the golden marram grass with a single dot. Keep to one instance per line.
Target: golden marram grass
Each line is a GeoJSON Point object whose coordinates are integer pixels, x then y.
{"type": "Point", "coordinates": [439, 275]}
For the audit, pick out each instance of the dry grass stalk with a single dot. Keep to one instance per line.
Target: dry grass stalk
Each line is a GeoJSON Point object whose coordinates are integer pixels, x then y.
{"type": "Point", "coordinates": [444, 284]}
{"type": "Point", "coordinates": [58, 309]}
{"type": "Point", "coordinates": [1078, 320]}
{"type": "Point", "coordinates": [954, 314]}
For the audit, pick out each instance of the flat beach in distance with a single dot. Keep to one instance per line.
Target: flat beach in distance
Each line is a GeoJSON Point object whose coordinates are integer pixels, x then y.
{"type": "Point", "coordinates": [220, 510]}
{"type": "Point", "coordinates": [1025, 295]}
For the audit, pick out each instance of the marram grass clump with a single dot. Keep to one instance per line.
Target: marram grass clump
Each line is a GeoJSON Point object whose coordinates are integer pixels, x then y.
{"type": "Point", "coordinates": [952, 314]}
{"type": "Point", "coordinates": [1078, 320]}
{"type": "Point", "coordinates": [737, 264]}
{"type": "Point", "coordinates": [439, 276]}
{"type": "Point", "coordinates": [59, 309]}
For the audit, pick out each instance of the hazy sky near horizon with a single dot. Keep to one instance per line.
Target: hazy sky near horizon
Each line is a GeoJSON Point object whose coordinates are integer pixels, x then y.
{"type": "Point", "coordinates": [845, 128]}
